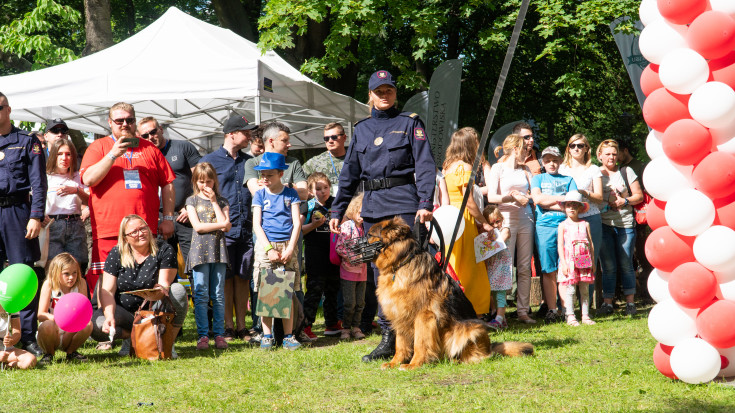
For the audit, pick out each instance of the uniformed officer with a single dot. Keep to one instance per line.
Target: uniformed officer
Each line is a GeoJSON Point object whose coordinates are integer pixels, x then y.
{"type": "Point", "coordinates": [22, 172]}
{"type": "Point", "coordinates": [390, 157]}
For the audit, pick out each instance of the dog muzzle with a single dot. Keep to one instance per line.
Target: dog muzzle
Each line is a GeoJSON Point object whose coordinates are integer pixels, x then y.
{"type": "Point", "coordinates": [359, 250]}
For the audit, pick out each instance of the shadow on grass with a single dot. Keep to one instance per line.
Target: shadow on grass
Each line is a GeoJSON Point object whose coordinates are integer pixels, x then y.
{"type": "Point", "coordinates": [693, 405]}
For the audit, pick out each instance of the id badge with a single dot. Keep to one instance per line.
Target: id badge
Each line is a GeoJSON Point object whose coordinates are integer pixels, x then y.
{"type": "Point", "coordinates": [334, 190]}
{"type": "Point", "coordinates": [132, 179]}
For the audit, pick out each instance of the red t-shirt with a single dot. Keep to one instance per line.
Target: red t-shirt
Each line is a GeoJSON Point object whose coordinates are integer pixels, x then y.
{"type": "Point", "coordinates": [110, 201]}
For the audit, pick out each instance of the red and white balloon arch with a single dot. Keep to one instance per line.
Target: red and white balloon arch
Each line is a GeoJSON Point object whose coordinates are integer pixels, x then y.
{"type": "Point", "coordinates": [690, 107]}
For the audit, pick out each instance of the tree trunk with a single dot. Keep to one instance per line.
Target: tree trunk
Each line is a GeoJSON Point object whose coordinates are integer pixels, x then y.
{"type": "Point", "coordinates": [98, 26]}
{"type": "Point", "coordinates": [130, 17]}
{"type": "Point", "coordinates": [232, 15]}
{"type": "Point", "coordinates": [17, 64]}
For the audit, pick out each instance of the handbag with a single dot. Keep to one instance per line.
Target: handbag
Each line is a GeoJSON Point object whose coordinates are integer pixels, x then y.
{"type": "Point", "coordinates": [581, 254]}
{"type": "Point", "coordinates": [640, 210]}
{"type": "Point", "coordinates": [152, 336]}
{"type": "Point", "coordinates": [334, 258]}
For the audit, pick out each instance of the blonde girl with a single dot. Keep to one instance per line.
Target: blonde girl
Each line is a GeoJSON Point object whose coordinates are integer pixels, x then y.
{"type": "Point", "coordinates": [353, 276]}
{"type": "Point", "coordinates": [499, 267]}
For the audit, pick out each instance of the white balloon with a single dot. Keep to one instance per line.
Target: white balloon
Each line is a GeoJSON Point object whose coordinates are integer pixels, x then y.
{"type": "Point", "coordinates": [695, 361]}
{"type": "Point", "coordinates": [713, 105]}
{"type": "Point", "coordinates": [683, 70]}
{"type": "Point", "coordinates": [725, 6]}
{"type": "Point", "coordinates": [729, 354]}
{"type": "Point", "coordinates": [725, 276]}
{"type": "Point", "coordinates": [669, 324]}
{"type": "Point", "coordinates": [648, 12]}
{"type": "Point", "coordinates": [662, 179]}
{"type": "Point", "coordinates": [689, 212]}
{"type": "Point", "coordinates": [722, 135]}
{"type": "Point", "coordinates": [715, 248]}
{"type": "Point", "coordinates": [654, 147]}
{"type": "Point", "coordinates": [727, 291]}
{"type": "Point", "coordinates": [446, 216]}
{"type": "Point", "coordinates": [658, 285]}
{"type": "Point", "coordinates": [659, 37]}
{"type": "Point", "coordinates": [728, 146]}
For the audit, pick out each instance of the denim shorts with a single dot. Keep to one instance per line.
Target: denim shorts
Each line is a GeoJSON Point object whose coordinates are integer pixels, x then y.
{"type": "Point", "coordinates": [548, 250]}
{"type": "Point", "coordinates": [68, 235]}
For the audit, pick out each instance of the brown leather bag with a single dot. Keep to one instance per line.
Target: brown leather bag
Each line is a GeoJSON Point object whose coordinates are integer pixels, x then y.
{"type": "Point", "coordinates": [152, 336]}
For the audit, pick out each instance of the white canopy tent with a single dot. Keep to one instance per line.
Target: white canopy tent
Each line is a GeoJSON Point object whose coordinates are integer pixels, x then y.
{"type": "Point", "coordinates": [188, 74]}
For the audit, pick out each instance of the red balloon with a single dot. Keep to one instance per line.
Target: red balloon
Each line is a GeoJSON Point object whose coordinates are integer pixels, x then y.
{"type": "Point", "coordinates": [662, 360]}
{"type": "Point", "coordinates": [714, 324]}
{"type": "Point", "coordinates": [692, 286]}
{"type": "Point", "coordinates": [650, 80]}
{"type": "Point", "coordinates": [681, 11]}
{"type": "Point", "coordinates": [655, 214]}
{"type": "Point", "coordinates": [712, 34]}
{"type": "Point", "coordinates": [725, 212]}
{"type": "Point", "coordinates": [686, 142]}
{"type": "Point", "coordinates": [723, 69]}
{"type": "Point", "coordinates": [662, 108]}
{"type": "Point", "coordinates": [715, 175]}
{"type": "Point", "coordinates": [666, 250]}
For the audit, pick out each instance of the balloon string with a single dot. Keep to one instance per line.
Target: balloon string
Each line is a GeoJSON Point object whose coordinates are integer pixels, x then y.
{"type": "Point", "coordinates": [10, 330]}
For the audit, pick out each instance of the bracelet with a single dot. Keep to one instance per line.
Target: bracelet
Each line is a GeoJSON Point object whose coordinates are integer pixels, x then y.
{"type": "Point", "coordinates": [268, 248]}
{"type": "Point", "coordinates": [111, 156]}
{"type": "Point", "coordinates": [169, 218]}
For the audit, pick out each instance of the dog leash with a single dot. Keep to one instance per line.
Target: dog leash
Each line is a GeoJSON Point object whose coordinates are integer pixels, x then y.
{"type": "Point", "coordinates": [489, 121]}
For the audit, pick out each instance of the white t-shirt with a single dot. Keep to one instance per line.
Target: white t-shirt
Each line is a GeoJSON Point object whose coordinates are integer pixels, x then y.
{"type": "Point", "coordinates": [504, 179]}
{"type": "Point", "coordinates": [622, 217]}
{"type": "Point", "coordinates": [585, 182]}
{"type": "Point", "coordinates": [67, 204]}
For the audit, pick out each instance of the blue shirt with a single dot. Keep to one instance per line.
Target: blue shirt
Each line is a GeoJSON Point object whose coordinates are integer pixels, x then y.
{"type": "Point", "coordinates": [277, 221]}
{"type": "Point", "coordinates": [549, 184]}
{"type": "Point", "coordinates": [23, 169]}
{"type": "Point", "coordinates": [230, 173]}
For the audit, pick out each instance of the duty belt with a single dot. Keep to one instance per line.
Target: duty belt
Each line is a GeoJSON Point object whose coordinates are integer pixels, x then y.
{"type": "Point", "coordinates": [14, 199]}
{"type": "Point", "coordinates": [383, 183]}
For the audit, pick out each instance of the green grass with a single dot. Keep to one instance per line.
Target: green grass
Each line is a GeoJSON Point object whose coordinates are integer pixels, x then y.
{"type": "Point", "coordinates": [606, 367]}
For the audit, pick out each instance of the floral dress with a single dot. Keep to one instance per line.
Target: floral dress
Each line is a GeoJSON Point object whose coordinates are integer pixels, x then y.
{"type": "Point", "coordinates": [500, 271]}
{"type": "Point", "coordinates": [576, 242]}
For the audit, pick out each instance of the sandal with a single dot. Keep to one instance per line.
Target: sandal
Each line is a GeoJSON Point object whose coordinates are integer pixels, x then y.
{"type": "Point", "coordinates": [572, 320]}
{"type": "Point", "coordinates": [104, 346]}
{"type": "Point", "coordinates": [587, 320]}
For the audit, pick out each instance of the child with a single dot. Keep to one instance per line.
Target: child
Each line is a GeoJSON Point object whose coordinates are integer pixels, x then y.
{"type": "Point", "coordinates": [64, 277]}
{"type": "Point", "coordinates": [207, 261]}
{"type": "Point", "coordinates": [10, 356]}
{"type": "Point", "coordinates": [64, 200]}
{"type": "Point", "coordinates": [499, 267]}
{"type": "Point", "coordinates": [277, 224]}
{"type": "Point", "coordinates": [321, 275]}
{"type": "Point", "coordinates": [576, 250]}
{"type": "Point", "coordinates": [547, 190]}
{"type": "Point", "coordinates": [354, 276]}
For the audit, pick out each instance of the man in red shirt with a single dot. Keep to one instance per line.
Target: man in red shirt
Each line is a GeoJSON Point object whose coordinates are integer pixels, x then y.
{"type": "Point", "coordinates": [124, 174]}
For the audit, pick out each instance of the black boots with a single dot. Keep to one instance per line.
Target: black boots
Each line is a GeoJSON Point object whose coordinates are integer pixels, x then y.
{"type": "Point", "coordinates": [385, 350]}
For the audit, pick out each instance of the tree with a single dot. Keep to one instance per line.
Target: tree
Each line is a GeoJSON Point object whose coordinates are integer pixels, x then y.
{"type": "Point", "coordinates": [98, 26]}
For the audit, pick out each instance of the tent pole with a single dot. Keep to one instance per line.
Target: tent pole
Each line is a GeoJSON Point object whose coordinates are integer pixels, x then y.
{"type": "Point", "coordinates": [257, 109]}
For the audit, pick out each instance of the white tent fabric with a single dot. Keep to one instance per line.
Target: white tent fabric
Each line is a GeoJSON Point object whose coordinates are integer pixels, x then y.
{"type": "Point", "coordinates": [188, 74]}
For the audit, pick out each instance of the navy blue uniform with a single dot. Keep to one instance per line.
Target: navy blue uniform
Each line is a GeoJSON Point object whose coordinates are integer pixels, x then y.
{"type": "Point", "coordinates": [22, 171]}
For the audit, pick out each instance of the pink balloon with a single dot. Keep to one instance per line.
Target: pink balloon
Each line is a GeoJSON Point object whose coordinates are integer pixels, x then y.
{"type": "Point", "coordinates": [692, 286]}
{"type": "Point", "coordinates": [715, 175]}
{"type": "Point", "coordinates": [712, 34]}
{"type": "Point", "coordinates": [714, 324]}
{"type": "Point", "coordinates": [73, 312]}
{"type": "Point", "coordinates": [686, 142]}
{"type": "Point", "coordinates": [681, 11]}
{"type": "Point", "coordinates": [723, 69]}
{"type": "Point", "coordinates": [655, 214]}
{"type": "Point", "coordinates": [725, 209]}
{"type": "Point", "coordinates": [650, 80]}
{"type": "Point", "coordinates": [662, 108]}
{"type": "Point", "coordinates": [666, 250]}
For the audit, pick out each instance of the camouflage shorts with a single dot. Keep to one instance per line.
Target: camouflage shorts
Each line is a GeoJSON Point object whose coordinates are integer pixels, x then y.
{"type": "Point", "coordinates": [262, 261]}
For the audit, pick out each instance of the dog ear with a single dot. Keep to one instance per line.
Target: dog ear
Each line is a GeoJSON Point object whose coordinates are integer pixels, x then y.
{"type": "Point", "coordinates": [396, 230]}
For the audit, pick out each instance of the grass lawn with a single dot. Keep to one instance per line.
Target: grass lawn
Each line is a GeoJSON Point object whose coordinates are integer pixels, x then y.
{"type": "Point", "coordinates": [606, 367]}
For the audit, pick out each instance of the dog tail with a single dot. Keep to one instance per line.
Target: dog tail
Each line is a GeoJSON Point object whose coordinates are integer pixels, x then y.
{"type": "Point", "coordinates": [513, 348]}
{"type": "Point", "coordinates": [467, 341]}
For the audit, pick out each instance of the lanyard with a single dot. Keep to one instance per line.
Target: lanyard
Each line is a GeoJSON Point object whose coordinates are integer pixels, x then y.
{"type": "Point", "coordinates": [334, 169]}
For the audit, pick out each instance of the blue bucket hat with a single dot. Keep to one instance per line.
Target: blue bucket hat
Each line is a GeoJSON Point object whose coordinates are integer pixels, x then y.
{"type": "Point", "coordinates": [272, 160]}
{"type": "Point", "coordinates": [381, 77]}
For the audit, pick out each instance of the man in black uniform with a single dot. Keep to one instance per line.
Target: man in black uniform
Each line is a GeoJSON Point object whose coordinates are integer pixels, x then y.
{"type": "Point", "coordinates": [22, 172]}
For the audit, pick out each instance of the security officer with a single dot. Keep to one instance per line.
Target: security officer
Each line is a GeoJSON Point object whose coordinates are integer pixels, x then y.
{"type": "Point", "coordinates": [390, 158]}
{"type": "Point", "coordinates": [22, 172]}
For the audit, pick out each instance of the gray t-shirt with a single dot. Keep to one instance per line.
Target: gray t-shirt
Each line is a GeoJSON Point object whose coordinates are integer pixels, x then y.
{"type": "Point", "coordinates": [622, 217]}
{"type": "Point", "coordinates": [182, 156]}
{"type": "Point", "coordinates": [294, 174]}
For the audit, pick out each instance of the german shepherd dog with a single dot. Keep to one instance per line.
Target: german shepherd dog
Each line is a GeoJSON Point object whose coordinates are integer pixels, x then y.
{"type": "Point", "coordinates": [431, 316]}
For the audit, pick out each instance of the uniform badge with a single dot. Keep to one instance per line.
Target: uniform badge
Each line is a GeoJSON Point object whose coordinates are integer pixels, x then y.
{"type": "Point", "coordinates": [378, 141]}
{"type": "Point", "coordinates": [2, 156]}
{"type": "Point", "coordinates": [382, 74]}
{"type": "Point", "coordinates": [287, 202]}
{"type": "Point", "coordinates": [36, 149]}
{"type": "Point", "coordinates": [419, 134]}
{"type": "Point", "coordinates": [174, 158]}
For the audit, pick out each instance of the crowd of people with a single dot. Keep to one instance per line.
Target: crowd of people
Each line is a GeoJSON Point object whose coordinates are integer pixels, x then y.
{"type": "Point", "coordinates": [248, 224]}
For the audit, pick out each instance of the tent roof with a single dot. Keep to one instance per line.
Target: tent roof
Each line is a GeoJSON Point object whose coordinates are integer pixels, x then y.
{"type": "Point", "coordinates": [188, 74]}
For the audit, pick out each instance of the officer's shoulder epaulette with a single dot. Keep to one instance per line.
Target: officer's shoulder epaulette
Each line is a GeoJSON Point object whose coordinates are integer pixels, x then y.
{"type": "Point", "coordinates": [364, 119]}
{"type": "Point", "coordinates": [412, 115]}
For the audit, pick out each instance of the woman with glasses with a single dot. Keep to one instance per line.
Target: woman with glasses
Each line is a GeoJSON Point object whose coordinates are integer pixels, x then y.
{"type": "Point", "coordinates": [619, 194]}
{"type": "Point", "coordinates": [137, 262]}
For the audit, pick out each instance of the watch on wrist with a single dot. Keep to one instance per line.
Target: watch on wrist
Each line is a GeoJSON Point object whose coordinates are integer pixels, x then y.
{"type": "Point", "coordinates": [169, 218]}
{"type": "Point", "coordinates": [626, 201]}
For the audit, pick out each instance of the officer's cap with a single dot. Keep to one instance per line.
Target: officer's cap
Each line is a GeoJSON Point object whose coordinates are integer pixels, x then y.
{"type": "Point", "coordinates": [381, 77]}
{"type": "Point", "coordinates": [52, 123]}
{"type": "Point", "coordinates": [236, 123]}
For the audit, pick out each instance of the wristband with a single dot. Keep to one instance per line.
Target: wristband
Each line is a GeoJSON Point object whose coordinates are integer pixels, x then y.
{"type": "Point", "coordinates": [268, 248]}
{"type": "Point", "coordinates": [626, 201]}
{"type": "Point", "coordinates": [169, 218]}
{"type": "Point", "coordinates": [111, 156]}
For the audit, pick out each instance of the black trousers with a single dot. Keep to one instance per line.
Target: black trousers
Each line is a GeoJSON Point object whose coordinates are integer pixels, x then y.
{"type": "Point", "coordinates": [322, 277]}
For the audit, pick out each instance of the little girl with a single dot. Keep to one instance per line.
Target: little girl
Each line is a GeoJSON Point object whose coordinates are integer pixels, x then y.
{"type": "Point", "coordinates": [499, 266]}
{"type": "Point", "coordinates": [353, 276]}
{"type": "Point", "coordinates": [11, 357]}
{"type": "Point", "coordinates": [209, 216]}
{"type": "Point", "coordinates": [64, 277]}
{"type": "Point", "coordinates": [576, 250]}
{"type": "Point", "coordinates": [64, 199]}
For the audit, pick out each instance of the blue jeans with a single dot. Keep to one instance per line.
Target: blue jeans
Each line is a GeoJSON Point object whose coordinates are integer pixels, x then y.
{"type": "Point", "coordinates": [209, 283]}
{"type": "Point", "coordinates": [617, 254]}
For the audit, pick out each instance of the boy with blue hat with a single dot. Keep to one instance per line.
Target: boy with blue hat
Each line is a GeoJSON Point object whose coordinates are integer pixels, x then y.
{"type": "Point", "coordinates": [276, 223]}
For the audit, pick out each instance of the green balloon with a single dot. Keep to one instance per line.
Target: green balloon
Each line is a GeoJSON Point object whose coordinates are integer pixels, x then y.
{"type": "Point", "coordinates": [18, 285]}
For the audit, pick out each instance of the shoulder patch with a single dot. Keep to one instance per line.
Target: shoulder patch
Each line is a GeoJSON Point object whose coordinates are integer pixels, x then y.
{"type": "Point", "coordinates": [413, 115]}
{"type": "Point", "coordinates": [419, 134]}
{"type": "Point", "coordinates": [36, 149]}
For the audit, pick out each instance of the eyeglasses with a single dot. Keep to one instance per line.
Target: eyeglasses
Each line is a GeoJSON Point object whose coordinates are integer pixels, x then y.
{"type": "Point", "coordinates": [577, 146]}
{"type": "Point", "coordinates": [332, 137]}
{"type": "Point", "coordinates": [58, 131]}
{"type": "Point", "coordinates": [137, 232]}
{"type": "Point", "coordinates": [527, 137]}
{"type": "Point", "coordinates": [153, 132]}
{"type": "Point", "coordinates": [129, 121]}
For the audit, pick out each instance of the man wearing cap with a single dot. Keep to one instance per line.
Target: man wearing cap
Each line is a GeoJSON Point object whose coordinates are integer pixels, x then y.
{"type": "Point", "coordinates": [181, 156]}
{"type": "Point", "coordinates": [55, 129]}
{"type": "Point", "coordinates": [124, 174]}
{"type": "Point", "coordinates": [547, 190]}
{"type": "Point", "coordinates": [229, 162]}
{"type": "Point", "coordinates": [330, 161]}
{"type": "Point", "coordinates": [22, 172]}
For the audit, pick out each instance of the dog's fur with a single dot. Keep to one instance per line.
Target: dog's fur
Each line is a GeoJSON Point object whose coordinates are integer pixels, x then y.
{"type": "Point", "coordinates": [431, 316]}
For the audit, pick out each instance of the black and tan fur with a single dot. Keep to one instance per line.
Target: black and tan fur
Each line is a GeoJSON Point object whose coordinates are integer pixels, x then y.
{"type": "Point", "coordinates": [430, 314]}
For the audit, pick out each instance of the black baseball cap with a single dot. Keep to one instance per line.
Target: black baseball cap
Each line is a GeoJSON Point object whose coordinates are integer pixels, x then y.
{"type": "Point", "coordinates": [381, 77]}
{"type": "Point", "coordinates": [236, 123]}
{"type": "Point", "coordinates": [52, 123]}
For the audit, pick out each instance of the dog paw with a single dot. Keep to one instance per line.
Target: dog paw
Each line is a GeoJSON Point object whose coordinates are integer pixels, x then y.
{"type": "Point", "coordinates": [407, 367]}
{"type": "Point", "coordinates": [386, 366]}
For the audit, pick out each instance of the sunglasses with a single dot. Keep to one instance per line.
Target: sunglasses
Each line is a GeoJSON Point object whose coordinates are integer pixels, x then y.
{"type": "Point", "coordinates": [332, 137]}
{"type": "Point", "coordinates": [153, 132]}
{"type": "Point", "coordinates": [527, 137]}
{"type": "Point", "coordinates": [577, 146]}
{"type": "Point", "coordinates": [129, 121]}
{"type": "Point", "coordinates": [58, 131]}
{"type": "Point", "coordinates": [3, 107]}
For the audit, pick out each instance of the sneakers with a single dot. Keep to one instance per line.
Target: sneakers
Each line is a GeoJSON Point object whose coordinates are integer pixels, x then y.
{"type": "Point", "coordinates": [552, 317]}
{"type": "Point", "coordinates": [289, 343]}
{"type": "Point", "coordinates": [125, 348]}
{"type": "Point", "coordinates": [333, 330]}
{"type": "Point", "coordinates": [606, 309]}
{"type": "Point", "coordinates": [46, 359]}
{"type": "Point", "coordinates": [496, 324]}
{"type": "Point", "coordinates": [229, 334]}
{"type": "Point", "coordinates": [304, 338]}
{"type": "Point", "coordinates": [266, 343]}
{"type": "Point", "coordinates": [357, 333]}
{"type": "Point", "coordinates": [203, 343]}
{"type": "Point", "coordinates": [345, 334]}
{"type": "Point", "coordinates": [74, 356]}
{"type": "Point", "coordinates": [308, 333]}
{"type": "Point", "coordinates": [630, 309]}
{"type": "Point", "coordinates": [220, 343]}
{"type": "Point", "coordinates": [255, 339]}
